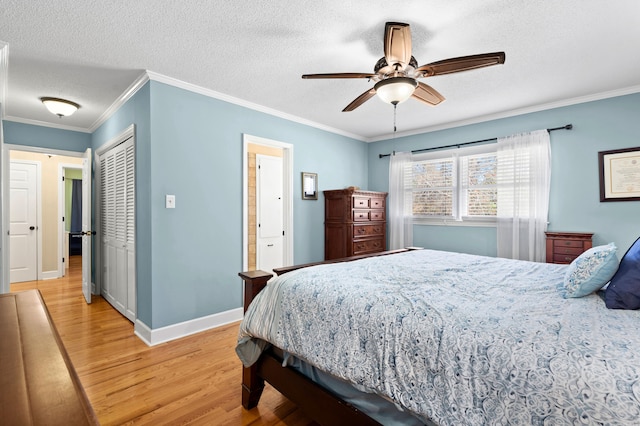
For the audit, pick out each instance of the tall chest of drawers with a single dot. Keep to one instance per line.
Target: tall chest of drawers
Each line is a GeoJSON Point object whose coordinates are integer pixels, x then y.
{"type": "Point", "coordinates": [354, 223]}
{"type": "Point", "coordinates": [564, 247]}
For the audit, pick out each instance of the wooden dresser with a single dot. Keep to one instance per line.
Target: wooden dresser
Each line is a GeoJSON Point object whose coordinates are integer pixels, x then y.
{"type": "Point", "coordinates": [564, 247]}
{"type": "Point", "coordinates": [354, 223]}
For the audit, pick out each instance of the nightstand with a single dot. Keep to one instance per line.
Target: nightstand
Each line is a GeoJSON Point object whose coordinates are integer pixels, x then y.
{"type": "Point", "coordinates": [564, 247]}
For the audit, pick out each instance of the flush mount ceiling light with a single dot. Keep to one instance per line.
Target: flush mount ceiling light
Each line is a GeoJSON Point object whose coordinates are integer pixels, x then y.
{"type": "Point", "coordinates": [60, 107]}
{"type": "Point", "coordinates": [395, 90]}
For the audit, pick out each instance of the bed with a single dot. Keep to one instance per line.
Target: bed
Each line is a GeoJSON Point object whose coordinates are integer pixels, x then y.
{"type": "Point", "coordinates": [445, 338]}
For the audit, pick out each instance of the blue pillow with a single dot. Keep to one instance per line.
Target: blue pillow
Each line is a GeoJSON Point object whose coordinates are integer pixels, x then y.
{"type": "Point", "coordinates": [624, 290]}
{"type": "Point", "coordinates": [590, 271]}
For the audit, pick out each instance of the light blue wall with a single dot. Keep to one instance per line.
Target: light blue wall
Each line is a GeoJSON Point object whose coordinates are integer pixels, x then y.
{"type": "Point", "coordinates": [190, 145]}
{"type": "Point", "coordinates": [45, 137]}
{"type": "Point", "coordinates": [574, 204]}
{"type": "Point", "coordinates": [137, 111]}
{"type": "Point", "coordinates": [196, 155]}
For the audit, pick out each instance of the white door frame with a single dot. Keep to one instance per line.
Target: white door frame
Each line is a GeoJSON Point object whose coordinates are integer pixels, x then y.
{"type": "Point", "coordinates": [6, 148]}
{"type": "Point", "coordinates": [61, 213]}
{"type": "Point", "coordinates": [5, 286]}
{"type": "Point", "coordinates": [287, 195]}
{"type": "Point", "coordinates": [38, 165]}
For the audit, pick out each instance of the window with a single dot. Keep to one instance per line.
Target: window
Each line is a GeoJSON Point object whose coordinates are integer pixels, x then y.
{"type": "Point", "coordinates": [455, 185]}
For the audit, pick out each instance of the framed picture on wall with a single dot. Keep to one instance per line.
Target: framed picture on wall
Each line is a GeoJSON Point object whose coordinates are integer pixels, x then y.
{"type": "Point", "coordinates": [309, 186]}
{"type": "Point", "coordinates": [619, 174]}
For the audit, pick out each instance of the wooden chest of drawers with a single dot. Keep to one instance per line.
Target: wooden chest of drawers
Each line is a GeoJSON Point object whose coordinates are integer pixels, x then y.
{"type": "Point", "coordinates": [354, 223]}
{"type": "Point", "coordinates": [564, 247]}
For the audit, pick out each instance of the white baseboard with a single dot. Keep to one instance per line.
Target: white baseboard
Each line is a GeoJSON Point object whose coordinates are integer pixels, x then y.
{"type": "Point", "coordinates": [156, 336]}
{"type": "Point", "coordinates": [50, 275]}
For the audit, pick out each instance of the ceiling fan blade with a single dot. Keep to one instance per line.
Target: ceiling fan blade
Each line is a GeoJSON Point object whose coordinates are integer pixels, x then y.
{"type": "Point", "coordinates": [360, 100]}
{"type": "Point", "coordinates": [397, 43]}
{"type": "Point", "coordinates": [427, 94]}
{"type": "Point", "coordinates": [463, 63]}
{"type": "Point", "coordinates": [340, 75]}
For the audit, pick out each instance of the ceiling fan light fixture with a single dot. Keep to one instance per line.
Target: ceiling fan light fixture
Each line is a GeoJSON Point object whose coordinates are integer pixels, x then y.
{"type": "Point", "coordinates": [395, 90]}
{"type": "Point", "coordinates": [60, 107]}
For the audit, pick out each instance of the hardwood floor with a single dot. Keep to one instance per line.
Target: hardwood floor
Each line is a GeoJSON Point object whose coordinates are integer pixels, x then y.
{"type": "Point", "coordinates": [193, 381]}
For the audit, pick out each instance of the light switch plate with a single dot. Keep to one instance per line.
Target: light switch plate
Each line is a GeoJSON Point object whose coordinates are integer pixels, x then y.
{"type": "Point", "coordinates": [170, 201]}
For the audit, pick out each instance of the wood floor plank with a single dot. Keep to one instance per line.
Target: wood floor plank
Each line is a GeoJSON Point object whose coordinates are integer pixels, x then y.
{"type": "Point", "coordinates": [191, 381]}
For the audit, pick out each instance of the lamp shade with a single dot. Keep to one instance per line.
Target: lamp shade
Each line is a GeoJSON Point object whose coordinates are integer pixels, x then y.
{"type": "Point", "coordinates": [60, 107]}
{"type": "Point", "coordinates": [395, 90]}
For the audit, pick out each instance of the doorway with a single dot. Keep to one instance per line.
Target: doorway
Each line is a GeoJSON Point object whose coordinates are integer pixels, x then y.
{"type": "Point", "coordinates": [48, 252]}
{"type": "Point", "coordinates": [254, 146]}
{"type": "Point", "coordinates": [70, 208]}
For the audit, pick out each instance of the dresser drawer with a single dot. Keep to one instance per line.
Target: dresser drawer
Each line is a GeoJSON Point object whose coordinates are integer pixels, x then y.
{"type": "Point", "coordinates": [377, 215]}
{"type": "Point", "coordinates": [564, 258]}
{"type": "Point", "coordinates": [571, 251]}
{"type": "Point", "coordinates": [368, 246]}
{"type": "Point", "coordinates": [361, 215]}
{"type": "Point", "coordinates": [377, 203]}
{"type": "Point", "coordinates": [361, 202]}
{"type": "Point", "coordinates": [560, 244]}
{"type": "Point", "coordinates": [367, 230]}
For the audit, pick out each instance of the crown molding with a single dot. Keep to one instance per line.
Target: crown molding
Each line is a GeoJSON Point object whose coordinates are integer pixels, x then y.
{"type": "Point", "coordinates": [121, 100]}
{"type": "Point", "coordinates": [512, 113]}
{"type": "Point", "coordinates": [45, 124]}
{"type": "Point", "coordinates": [147, 75]}
{"type": "Point", "coordinates": [243, 103]}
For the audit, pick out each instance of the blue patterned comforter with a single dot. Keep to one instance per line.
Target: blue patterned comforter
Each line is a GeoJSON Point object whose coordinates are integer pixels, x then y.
{"type": "Point", "coordinates": [456, 338]}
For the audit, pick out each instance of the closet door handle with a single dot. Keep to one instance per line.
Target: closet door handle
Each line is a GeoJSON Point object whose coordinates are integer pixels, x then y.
{"type": "Point", "coordinates": [32, 228]}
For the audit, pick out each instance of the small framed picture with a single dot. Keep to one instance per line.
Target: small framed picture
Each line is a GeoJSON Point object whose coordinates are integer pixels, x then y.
{"type": "Point", "coordinates": [619, 174]}
{"type": "Point", "coordinates": [309, 186]}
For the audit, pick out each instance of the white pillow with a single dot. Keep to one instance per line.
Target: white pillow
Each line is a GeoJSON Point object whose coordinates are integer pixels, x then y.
{"type": "Point", "coordinates": [591, 271]}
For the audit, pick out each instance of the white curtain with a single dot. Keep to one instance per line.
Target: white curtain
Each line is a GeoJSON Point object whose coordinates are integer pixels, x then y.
{"type": "Point", "coordinates": [524, 180]}
{"type": "Point", "coordinates": [400, 222]}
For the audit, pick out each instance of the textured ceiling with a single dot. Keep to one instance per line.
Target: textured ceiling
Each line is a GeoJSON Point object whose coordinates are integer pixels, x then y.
{"type": "Point", "coordinates": [91, 51]}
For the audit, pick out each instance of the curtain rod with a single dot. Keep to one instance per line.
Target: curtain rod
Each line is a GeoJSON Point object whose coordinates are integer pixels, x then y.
{"type": "Point", "coordinates": [458, 145]}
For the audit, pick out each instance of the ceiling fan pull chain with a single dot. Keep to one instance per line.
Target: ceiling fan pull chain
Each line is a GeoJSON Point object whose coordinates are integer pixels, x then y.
{"type": "Point", "coordinates": [395, 107]}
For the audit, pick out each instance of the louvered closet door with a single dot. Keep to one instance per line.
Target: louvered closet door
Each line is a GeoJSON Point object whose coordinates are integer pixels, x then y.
{"type": "Point", "coordinates": [117, 196]}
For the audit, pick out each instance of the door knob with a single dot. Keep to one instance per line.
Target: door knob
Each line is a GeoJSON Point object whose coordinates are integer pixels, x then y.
{"type": "Point", "coordinates": [32, 228]}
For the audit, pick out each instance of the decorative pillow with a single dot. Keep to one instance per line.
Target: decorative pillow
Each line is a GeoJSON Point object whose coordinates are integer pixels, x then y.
{"type": "Point", "coordinates": [624, 290]}
{"type": "Point", "coordinates": [591, 271]}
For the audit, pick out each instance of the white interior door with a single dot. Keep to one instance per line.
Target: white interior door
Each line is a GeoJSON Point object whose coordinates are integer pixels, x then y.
{"type": "Point", "coordinates": [86, 225]}
{"type": "Point", "coordinates": [23, 222]}
{"type": "Point", "coordinates": [269, 203]}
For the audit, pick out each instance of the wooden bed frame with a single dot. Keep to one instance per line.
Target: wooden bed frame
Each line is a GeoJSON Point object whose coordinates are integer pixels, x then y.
{"type": "Point", "coordinates": [315, 401]}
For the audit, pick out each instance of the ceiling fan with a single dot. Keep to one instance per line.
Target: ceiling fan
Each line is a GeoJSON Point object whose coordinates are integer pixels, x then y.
{"type": "Point", "coordinates": [397, 73]}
